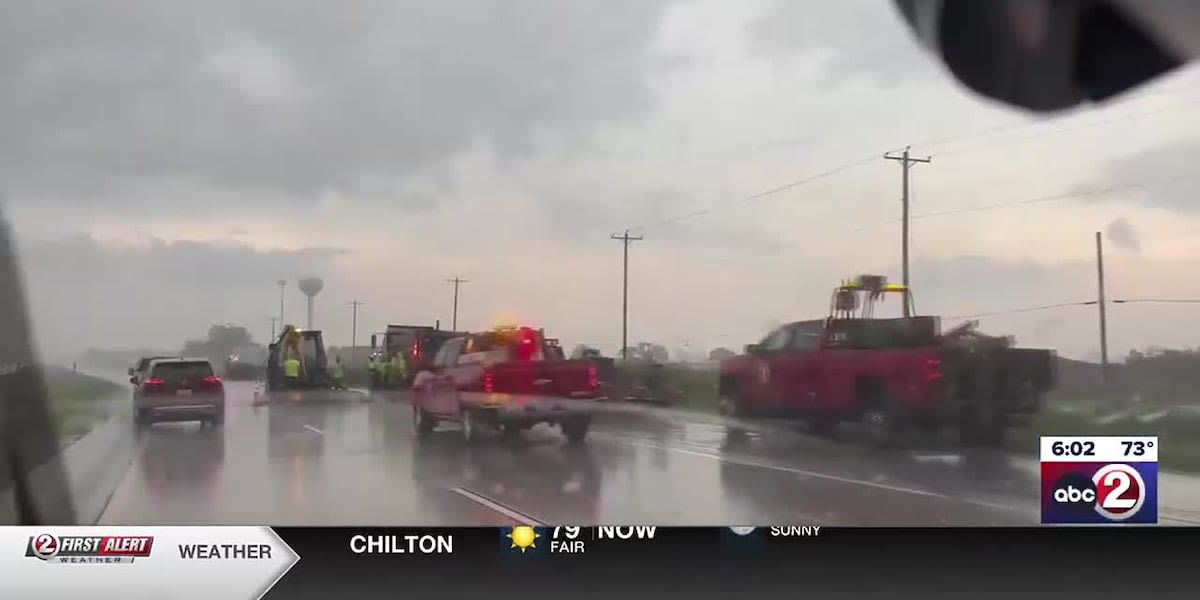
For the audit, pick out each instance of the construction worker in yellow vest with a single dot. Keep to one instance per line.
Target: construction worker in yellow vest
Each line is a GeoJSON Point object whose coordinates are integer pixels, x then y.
{"type": "Point", "coordinates": [338, 372]}
{"type": "Point", "coordinates": [397, 371]}
{"type": "Point", "coordinates": [373, 371]}
{"type": "Point", "coordinates": [291, 372]}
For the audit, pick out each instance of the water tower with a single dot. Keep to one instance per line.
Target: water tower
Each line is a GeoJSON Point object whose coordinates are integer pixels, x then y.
{"type": "Point", "coordinates": [311, 286]}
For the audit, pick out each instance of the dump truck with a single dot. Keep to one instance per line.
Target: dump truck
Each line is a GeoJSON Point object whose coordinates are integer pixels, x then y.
{"type": "Point", "coordinates": [308, 347]}
{"type": "Point", "coordinates": [416, 343]}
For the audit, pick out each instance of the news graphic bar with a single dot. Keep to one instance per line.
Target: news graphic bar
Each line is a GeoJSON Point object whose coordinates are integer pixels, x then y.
{"type": "Point", "coordinates": [1098, 480]}
{"type": "Point", "coordinates": [705, 562]}
{"type": "Point", "coordinates": [581, 561]}
{"type": "Point", "coordinates": [141, 562]}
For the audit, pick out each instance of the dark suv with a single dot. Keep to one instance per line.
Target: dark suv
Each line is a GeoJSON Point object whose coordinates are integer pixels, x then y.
{"type": "Point", "coordinates": [143, 366]}
{"type": "Point", "coordinates": [179, 389]}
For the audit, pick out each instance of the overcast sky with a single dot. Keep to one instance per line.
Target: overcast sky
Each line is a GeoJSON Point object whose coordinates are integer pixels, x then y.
{"type": "Point", "coordinates": [164, 163]}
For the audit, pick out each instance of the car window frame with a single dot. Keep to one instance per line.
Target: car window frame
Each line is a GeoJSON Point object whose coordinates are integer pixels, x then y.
{"type": "Point", "coordinates": [449, 352]}
{"type": "Point", "coordinates": [806, 331]}
{"type": "Point", "coordinates": [781, 331]}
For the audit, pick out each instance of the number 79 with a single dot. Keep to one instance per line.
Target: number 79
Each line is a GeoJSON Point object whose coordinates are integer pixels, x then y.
{"type": "Point", "coordinates": [571, 532]}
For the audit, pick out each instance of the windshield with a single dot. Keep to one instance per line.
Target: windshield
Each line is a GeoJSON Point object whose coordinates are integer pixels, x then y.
{"type": "Point", "coordinates": [181, 371]}
{"type": "Point", "coordinates": [631, 219]}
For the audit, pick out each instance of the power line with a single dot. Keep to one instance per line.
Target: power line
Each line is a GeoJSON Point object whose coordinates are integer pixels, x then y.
{"type": "Point", "coordinates": [1062, 130]}
{"type": "Point", "coordinates": [1023, 310]}
{"type": "Point", "coordinates": [1158, 301]}
{"type": "Point", "coordinates": [1036, 200]}
{"type": "Point", "coordinates": [783, 188]}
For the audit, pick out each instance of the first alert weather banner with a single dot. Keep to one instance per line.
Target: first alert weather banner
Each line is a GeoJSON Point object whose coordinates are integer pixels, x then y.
{"type": "Point", "coordinates": [141, 562]}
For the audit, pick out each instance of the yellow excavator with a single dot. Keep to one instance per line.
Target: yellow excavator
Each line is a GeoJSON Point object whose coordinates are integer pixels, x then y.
{"type": "Point", "coordinates": [306, 346]}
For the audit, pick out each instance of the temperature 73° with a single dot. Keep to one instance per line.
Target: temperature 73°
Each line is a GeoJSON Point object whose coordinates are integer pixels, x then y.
{"type": "Point", "coordinates": [1137, 447]}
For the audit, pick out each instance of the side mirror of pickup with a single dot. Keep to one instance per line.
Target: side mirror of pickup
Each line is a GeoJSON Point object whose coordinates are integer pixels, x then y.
{"type": "Point", "coordinates": [753, 348]}
{"type": "Point", "coordinates": [129, 371]}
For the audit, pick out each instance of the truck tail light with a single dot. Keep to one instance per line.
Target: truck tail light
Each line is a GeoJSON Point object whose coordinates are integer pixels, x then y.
{"type": "Point", "coordinates": [489, 381]}
{"type": "Point", "coordinates": [933, 369]}
{"type": "Point", "coordinates": [593, 377]}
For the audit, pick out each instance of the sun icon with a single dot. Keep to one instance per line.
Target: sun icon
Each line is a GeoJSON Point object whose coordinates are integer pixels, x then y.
{"type": "Point", "coordinates": [522, 537]}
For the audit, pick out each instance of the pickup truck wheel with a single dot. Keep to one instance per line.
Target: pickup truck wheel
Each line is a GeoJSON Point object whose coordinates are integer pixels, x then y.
{"type": "Point", "coordinates": [982, 426]}
{"type": "Point", "coordinates": [421, 422]}
{"type": "Point", "coordinates": [575, 429]}
{"type": "Point", "coordinates": [730, 404]}
{"type": "Point", "coordinates": [879, 421]}
{"type": "Point", "coordinates": [470, 425]}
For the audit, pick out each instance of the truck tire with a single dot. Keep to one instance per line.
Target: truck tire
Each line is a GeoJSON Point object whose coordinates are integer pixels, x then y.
{"type": "Point", "coordinates": [422, 422]}
{"type": "Point", "coordinates": [730, 402]}
{"type": "Point", "coordinates": [879, 421]}
{"type": "Point", "coordinates": [469, 421]}
{"type": "Point", "coordinates": [576, 429]}
{"type": "Point", "coordinates": [982, 425]}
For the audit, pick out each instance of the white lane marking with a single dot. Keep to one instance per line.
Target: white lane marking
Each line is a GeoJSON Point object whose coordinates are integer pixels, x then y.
{"type": "Point", "coordinates": [828, 477]}
{"type": "Point", "coordinates": [313, 429]}
{"type": "Point", "coordinates": [1154, 416]}
{"type": "Point", "coordinates": [520, 518]}
{"type": "Point", "coordinates": [943, 458]}
{"type": "Point", "coordinates": [792, 470]}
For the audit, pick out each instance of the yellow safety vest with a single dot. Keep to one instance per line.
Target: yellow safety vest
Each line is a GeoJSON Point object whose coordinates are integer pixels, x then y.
{"type": "Point", "coordinates": [291, 368]}
{"type": "Point", "coordinates": [339, 370]}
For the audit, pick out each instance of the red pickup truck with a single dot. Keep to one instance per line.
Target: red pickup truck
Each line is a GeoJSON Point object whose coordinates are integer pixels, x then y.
{"type": "Point", "coordinates": [887, 373]}
{"type": "Point", "coordinates": [507, 378]}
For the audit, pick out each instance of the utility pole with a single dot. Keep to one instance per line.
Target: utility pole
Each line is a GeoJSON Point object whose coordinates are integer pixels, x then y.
{"type": "Point", "coordinates": [354, 327]}
{"type": "Point", "coordinates": [282, 285]}
{"type": "Point", "coordinates": [906, 161]}
{"type": "Point", "coordinates": [272, 338]}
{"type": "Point", "coordinates": [625, 239]}
{"type": "Point", "coordinates": [454, 319]}
{"type": "Point", "coordinates": [1100, 302]}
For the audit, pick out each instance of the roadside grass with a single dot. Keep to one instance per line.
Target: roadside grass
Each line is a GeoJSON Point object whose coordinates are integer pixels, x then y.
{"type": "Point", "coordinates": [76, 401]}
{"type": "Point", "coordinates": [1178, 433]}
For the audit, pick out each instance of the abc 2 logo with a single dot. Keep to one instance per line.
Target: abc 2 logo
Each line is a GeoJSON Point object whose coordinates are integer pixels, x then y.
{"type": "Point", "coordinates": [1099, 493]}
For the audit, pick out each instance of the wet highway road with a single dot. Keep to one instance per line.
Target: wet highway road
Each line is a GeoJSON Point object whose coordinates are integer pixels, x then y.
{"type": "Point", "coordinates": [358, 462]}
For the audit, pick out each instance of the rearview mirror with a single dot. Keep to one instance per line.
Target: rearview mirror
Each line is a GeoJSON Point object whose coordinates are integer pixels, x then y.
{"type": "Point", "coordinates": [373, 343]}
{"type": "Point", "coordinates": [129, 371]}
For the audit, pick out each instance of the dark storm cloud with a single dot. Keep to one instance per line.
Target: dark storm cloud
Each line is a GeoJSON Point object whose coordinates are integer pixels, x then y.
{"type": "Point", "coordinates": [1122, 234]}
{"type": "Point", "coordinates": [855, 38]}
{"type": "Point", "coordinates": [301, 96]}
{"type": "Point", "coordinates": [81, 262]}
{"type": "Point", "coordinates": [83, 293]}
